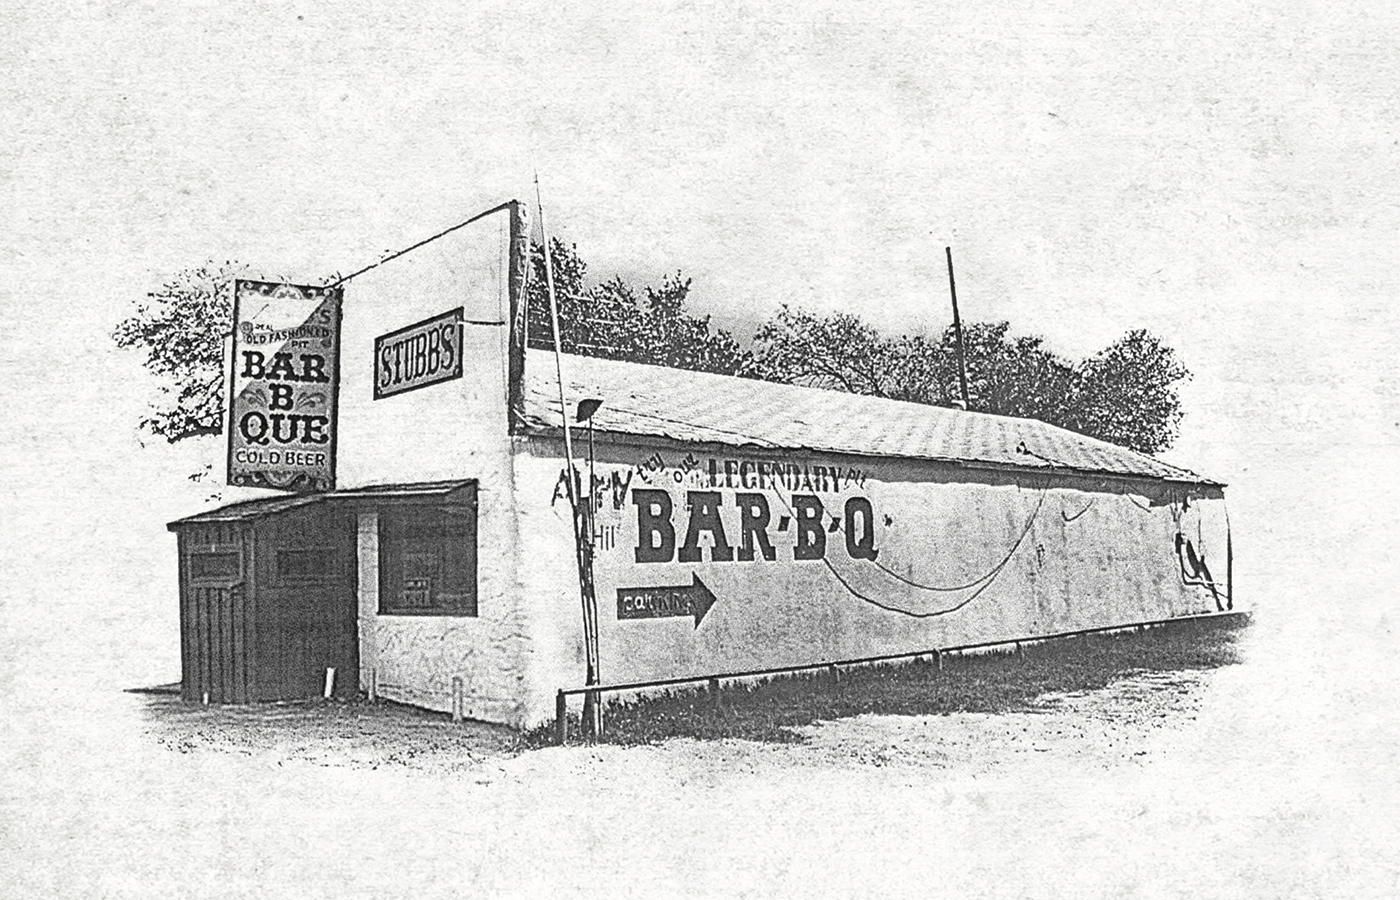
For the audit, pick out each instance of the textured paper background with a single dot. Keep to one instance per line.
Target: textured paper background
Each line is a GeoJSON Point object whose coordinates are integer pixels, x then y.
{"type": "Point", "coordinates": [1224, 174]}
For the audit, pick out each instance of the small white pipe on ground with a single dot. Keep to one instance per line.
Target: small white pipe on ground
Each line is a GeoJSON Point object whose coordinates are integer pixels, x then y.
{"type": "Point", "coordinates": [330, 682]}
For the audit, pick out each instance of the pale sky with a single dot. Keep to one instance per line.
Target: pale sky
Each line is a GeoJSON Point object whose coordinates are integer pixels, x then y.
{"type": "Point", "coordinates": [1223, 174]}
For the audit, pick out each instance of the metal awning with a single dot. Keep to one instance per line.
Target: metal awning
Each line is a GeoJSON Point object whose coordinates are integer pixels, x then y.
{"type": "Point", "coordinates": [247, 510]}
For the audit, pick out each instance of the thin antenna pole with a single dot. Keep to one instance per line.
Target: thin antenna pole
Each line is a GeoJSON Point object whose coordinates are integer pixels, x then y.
{"type": "Point", "coordinates": [558, 353]}
{"type": "Point", "coordinates": [957, 330]}
{"type": "Point", "coordinates": [583, 544]}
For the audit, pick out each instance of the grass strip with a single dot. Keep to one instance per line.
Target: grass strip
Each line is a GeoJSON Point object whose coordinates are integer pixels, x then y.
{"type": "Point", "coordinates": [988, 682]}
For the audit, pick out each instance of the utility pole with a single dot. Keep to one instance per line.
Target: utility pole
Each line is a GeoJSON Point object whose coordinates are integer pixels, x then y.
{"type": "Point", "coordinates": [583, 543]}
{"type": "Point", "coordinates": [957, 330]}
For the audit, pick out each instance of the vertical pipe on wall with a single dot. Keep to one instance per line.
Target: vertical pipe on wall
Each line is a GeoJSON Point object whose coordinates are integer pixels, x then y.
{"type": "Point", "coordinates": [517, 282]}
{"type": "Point", "coordinates": [1229, 562]}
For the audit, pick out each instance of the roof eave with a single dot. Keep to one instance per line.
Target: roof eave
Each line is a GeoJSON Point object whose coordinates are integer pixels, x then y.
{"type": "Point", "coordinates": [555, 432]}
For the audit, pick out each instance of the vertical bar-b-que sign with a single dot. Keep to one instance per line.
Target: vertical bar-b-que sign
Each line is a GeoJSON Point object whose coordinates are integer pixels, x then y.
{"type": "Point", "coordinates": [283, 386]}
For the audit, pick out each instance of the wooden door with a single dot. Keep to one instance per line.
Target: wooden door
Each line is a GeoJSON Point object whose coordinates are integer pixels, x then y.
{"type": "Point", "coordinates": [215, 623]}
{"type": "Point", "coordinates": [307, 608]}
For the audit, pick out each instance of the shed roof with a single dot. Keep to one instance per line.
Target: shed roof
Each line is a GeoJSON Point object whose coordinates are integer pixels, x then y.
{"type": "Point", "coordinates": [686, 406]}
{"type": "Point", "coordinates": [266, 506]}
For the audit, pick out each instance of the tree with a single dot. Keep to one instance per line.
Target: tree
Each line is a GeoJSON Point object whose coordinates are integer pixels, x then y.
{"type": "Point", "coordinates": [181, 327]}
{"type": "Point", "coordinates": [182, 324]}
{"type": "Point", "coordinates": [1127, 393]}
{"type": "Point", "coordinates": [1009, 376]}
{"type": "Point", "coordinates": [840, 353]}
{"type": "Point", "coordinates": [609, 320]}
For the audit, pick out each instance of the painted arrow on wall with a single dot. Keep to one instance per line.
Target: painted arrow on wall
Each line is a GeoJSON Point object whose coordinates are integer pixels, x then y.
{"type": "Point", "coordinates": [694, 599]}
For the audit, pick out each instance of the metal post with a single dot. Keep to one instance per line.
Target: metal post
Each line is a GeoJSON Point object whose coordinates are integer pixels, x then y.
{"type": "Point", "coordinates": [592, 485]}
{"type": "Point", "coordinates": [592, 721]}
{"type": "Point", "coordinates": [957, 330]}
{"type": "Point", "coordinates": [592, 705]}
{"type": "Point", "coordinates": [1229, 566]}
{"type": "Point", "coordinates": [456, 698]}
{"type": "Point", "coordinates": [595, 711]}
{"type": "Point", "coordinates": [561, 718]}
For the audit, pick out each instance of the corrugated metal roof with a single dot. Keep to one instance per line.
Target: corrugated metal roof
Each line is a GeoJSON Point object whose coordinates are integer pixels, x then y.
{"type": "Point", "coordinates": [250, 509]}
{"type": "Point", "coordinates": [415, 489]}
{"type": "Point", "coordinates": [689, 406]}
{"type": "Point", "coordinates": [266, 506]}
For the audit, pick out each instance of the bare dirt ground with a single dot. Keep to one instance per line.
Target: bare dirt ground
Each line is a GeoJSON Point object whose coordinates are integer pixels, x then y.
{"type": "Point", "coordinates": [1163, 781]}
{"type": "Point", "coordinates": [1111, 726]}
{"type": "Point", "coordinates": [355, 735]}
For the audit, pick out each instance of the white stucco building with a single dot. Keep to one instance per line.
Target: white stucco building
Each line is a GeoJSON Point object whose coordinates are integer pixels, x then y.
{"type": "Point", "coordinates": [737, 524]}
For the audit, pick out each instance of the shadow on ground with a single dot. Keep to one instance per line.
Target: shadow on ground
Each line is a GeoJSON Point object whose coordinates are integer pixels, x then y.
{"type": "Point", "coordinates": [778, 710]}
{"type": "Point", "coordinates": [997, 682]}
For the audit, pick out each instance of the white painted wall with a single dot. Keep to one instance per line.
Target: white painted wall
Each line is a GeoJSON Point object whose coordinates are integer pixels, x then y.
{"type": "Point", "coordinates": [1094, 553]}
{"type": "Point", "coordinates": [452, 430]}
{"type": "Point", "coordinates": [441, 431]}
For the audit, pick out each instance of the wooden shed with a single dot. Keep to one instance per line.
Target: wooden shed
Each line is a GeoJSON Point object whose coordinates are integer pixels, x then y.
{"type": "Point", "coordinates": [269, 589]}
